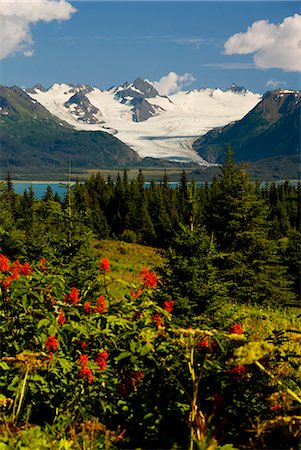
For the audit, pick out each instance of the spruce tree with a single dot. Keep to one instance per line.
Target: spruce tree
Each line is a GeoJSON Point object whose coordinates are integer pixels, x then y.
{"type": "Point", "coordinates": [190, 276]}
{"type": "Point", "coordinates": [250, 265]}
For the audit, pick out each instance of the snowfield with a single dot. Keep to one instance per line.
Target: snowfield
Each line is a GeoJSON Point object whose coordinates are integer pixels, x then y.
{"type": "Point", "coordinates": [170, 133]}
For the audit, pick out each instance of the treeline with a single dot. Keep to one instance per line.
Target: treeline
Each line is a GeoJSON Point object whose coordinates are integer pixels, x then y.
{"type": "Point", "coordinates": [255, 231]}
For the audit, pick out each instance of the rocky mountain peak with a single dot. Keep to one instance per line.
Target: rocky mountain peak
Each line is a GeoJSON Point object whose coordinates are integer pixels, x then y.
{"type": "Point", "coordinates": [146, 88]}
{"type": "Point", "coordinates": [237, 89]}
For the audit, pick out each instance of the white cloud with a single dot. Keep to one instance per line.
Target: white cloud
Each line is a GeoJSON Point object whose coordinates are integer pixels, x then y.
{"type": "Point", "coordinates": [16, 17]}
{"type": "Point", "coordinates": [274, 46]}
{"type": "Point", "coordinates": [171, 83]}
{"type": "Point", "coordinates": [273, 84]}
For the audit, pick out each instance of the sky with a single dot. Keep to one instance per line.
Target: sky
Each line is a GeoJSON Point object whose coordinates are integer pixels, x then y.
{"type": "Point", "coordinates": [178, 45]}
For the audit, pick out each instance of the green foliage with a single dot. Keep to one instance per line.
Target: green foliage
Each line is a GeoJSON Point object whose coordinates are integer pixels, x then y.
{"type": "Point", "coordinates": [190, 276]}
{"type": "Point", "coordinates": [91, 358]}
{"type": "Point", "coordinates": [126, 364]}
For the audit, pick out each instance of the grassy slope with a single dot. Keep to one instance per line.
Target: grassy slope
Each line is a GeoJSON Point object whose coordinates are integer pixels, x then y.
{"type": "Point", "coordinates": [127, 261]}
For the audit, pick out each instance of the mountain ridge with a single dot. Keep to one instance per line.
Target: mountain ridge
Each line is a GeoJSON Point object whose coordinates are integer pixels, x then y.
{"type": "Point", "coordinates": [34, 140]}
{"type": "Point", "coordinates": [270, 129]}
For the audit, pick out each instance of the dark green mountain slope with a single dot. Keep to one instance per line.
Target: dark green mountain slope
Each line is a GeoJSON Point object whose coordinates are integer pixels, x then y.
{"type": "Point", "coordinates": [32, 140]}
{"type": "Point", "coordinates": [271, 129]}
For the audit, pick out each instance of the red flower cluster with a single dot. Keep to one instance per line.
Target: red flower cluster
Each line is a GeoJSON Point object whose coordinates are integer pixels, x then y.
{"type": "Point", "coordinates": [104, 264]}
{"type": "Point", "coordinates": [236, 329]}
{"type": "Point", "coordinates": [26, 269]}
{"type": "Point", "coordinates": [84, 346]}
{"type": "Point", "coordinates": [101, 304]}
{"type": "Point", "coordinates": [204, 344]}
{"type": "Point", "coordinates": [72, 297]}
{"type": "Point", "coordinates": [149, 279]}
{"type": "Point", "coordinates": [16, 269]}
{"type": "Point", "coordinates": [61, 317]}
{"type": "Point", "coordinates": [157, 319]}
{"type": "Point", "coordinates": [83, 360]}
{"type": "Point", "coordinates": [101, 359]}
{"type": "Point", "coordinates": [4, 263]}
{"type": "Point", "coordinates": [238, 371]}
{"type": "Point", "coordinates": [276, 407]}
{"type": "Point", "coordinates": [85, 372]}
{"type": "Point", "coordinates": [169, 305]}
{"type": "Point", "coordinates": [43, 263]}
{"type": "Point", "coordinates": [51, 344]}
{"type": "Point", "coordinates": [88, 308]}
{"type": "Point", "coordinates": [136, 294]}
{"type": "Point", "coordinates": [137, 375]}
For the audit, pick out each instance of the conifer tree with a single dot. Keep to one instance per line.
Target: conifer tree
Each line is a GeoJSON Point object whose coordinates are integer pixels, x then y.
{"type": "Point", "coordinates": [190, 276]}
{"type": "Point", "coordinates": [250, 266]}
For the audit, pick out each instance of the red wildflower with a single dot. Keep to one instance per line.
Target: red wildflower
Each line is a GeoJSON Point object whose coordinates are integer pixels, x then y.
{"type": "Point", "coordinates": [4, 263]}
{"type": "Point", "coordinates": [136, 294]}
{"type": "Point", "coordinates": [51, 344]}
{"type": "Point", "coordinates": [236, 329]}
{"type": "Point", "coordinates": [157, 319]}
{"type": "Point", "coordinates": [276, 407]}
{"type": "Point", "coordinates": [83, 360]}
{"type": "Point", "coordinates": [238, 371]}
{"type": "Point", "coordinates": [101, 304]}
{"type": "Point", "coordinates": [204, 344]}
{"type": "Point", "coordinates": [72, 297]}
{"type": "Point", "coordinates": [7, 281]}
{"type": "Point", "coordinates": [85, 372]}
{"type": "Point", "coordinates": [43, 263]}
{"type": "Point", "coordinates": [137, 375]}
{"type": "Point", "coordinates": [88, 308]}
{"type": "Point", "coordinates": [104, 264]}
{"type": "Point", "coordinates": [84, 345]}
{"type": "Point", "coordinates": [148, 278]}
{"type": "Point", "coordinates": [101, 359]}
{"type": "Point", "coordinates": [16, 269]}
{"type": "Point", "coordinates": [61, 318]}
{"type": "Point", "coordinates": [26, 269]}
{"type": "Point", "coordinates": [169, 305]}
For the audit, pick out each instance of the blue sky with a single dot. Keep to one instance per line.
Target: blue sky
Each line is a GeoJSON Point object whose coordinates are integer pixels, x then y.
{"type": "Point", "coordinates": [107, 43]}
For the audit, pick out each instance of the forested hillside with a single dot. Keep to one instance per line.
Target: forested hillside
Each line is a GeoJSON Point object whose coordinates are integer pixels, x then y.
{"type": "Point", "coordinates": [112, 346]}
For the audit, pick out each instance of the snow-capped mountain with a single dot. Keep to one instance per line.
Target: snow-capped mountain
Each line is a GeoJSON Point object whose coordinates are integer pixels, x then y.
{"type": "Point", "coordinates": [153, 125]}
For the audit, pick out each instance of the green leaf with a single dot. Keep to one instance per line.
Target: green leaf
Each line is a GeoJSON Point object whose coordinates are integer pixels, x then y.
{"type": "Point", "coordinates": [133, 346]}
{"type": "Point", "coordinates": [146, 349]}
{"type": "Point", "coordinates": [42, 323]}
{"type": "Point", "coordinates": [123, 355]}
{"type": "Point", "coordinates": [4, 365]}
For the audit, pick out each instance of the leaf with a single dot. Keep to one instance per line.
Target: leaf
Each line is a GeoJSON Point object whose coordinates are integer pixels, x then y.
{"type": "Point", "coordinates": [148, 416]}
{"type": "Point", "coordinates": [147, 348]}
{"type": "Point", "coordinates": [43, 322]}
{"type": "Point", "coordinates": [133, 346]}
{"type": "Point", "coordinates": [4, 365]}
{"type": "Point", "coordinates": [123, 355]}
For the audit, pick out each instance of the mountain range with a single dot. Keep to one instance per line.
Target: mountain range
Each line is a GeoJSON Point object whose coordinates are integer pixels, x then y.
{"type": "Point", "coordinates": [153, 125]}
{"type": "Point", "coordinates": [132, 124]}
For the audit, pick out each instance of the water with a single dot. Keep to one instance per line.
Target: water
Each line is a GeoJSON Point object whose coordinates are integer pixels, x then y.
{"type": "Point", "coordinates": [39, 188]}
